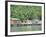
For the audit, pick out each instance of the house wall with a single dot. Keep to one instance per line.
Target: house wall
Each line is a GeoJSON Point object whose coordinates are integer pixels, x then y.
{"type": "Point", "coordinates": [13, 21]}
{"type": "Point", "coordinates": [19, 22]}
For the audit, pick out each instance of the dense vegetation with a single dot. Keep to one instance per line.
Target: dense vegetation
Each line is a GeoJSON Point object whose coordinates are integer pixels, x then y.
{"type": "Point", "coordinates": [24, 12]}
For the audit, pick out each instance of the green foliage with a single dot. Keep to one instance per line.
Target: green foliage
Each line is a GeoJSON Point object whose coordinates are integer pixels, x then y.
{"type": "Point", "coordinates": [24, 12]}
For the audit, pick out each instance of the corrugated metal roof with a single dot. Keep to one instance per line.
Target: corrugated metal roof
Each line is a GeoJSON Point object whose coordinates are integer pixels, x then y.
{"type": "Point", "coordinates": [15, 19]}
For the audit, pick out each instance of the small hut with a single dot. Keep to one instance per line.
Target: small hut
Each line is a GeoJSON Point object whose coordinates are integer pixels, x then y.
{"type": "Point", "coordinates": [18, 21]}
{"type": "Point", "coordinates": [14, 21]}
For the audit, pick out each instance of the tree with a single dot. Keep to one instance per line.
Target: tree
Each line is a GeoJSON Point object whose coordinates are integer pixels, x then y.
{"type": "Point", "coordinates": [25, 12]}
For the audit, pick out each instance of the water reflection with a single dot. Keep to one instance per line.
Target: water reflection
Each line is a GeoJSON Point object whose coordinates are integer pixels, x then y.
{"type": "Point", "coordinates": [25, 27]}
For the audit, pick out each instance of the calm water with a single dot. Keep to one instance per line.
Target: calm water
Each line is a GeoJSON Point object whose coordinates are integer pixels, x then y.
{"type": "Point", "coordinates": [20, 28]}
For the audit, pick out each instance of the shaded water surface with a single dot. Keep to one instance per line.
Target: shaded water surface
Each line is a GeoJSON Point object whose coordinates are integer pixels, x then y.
{"type": "Point", "coordinates": [25, 27]}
